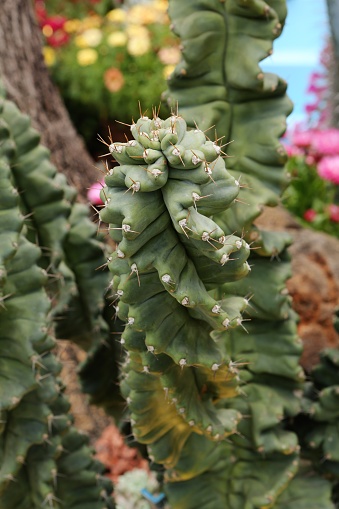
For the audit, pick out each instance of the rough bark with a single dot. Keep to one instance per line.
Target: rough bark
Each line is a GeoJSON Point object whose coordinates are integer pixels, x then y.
{"type": "Point", "coordinates": [28, 84]}
{"type": "Point", "coordinates": [333, 62]}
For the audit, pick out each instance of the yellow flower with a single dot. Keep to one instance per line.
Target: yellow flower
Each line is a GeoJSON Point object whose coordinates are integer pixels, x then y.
{"type": "Point", "coordinates": [72, 25]}
{"type": "Point", "coordinates": [87, 56]}
{"type": "Point", "coordinates": [116, 16]}
{"type": "Point", "coordinates": [93, 21]}
{"type": "Point", "coordinates": [136, 31]}
{"type": "Point", "coordinates": [168, 69]}
{"type": "Point", "coordinates": [49, 56]}
{"type": "Point", "coordinates": [47, 30]}
{"type": "Point", "coordinates": [161, 5]}
{"type": "Point", "coordinates": [117, 39]}
{"type": "Point", "coordinates": [142, 15]}
{"type": "Point", "coordinates": [138, 46]}
{"type": "Point", "coordinates": [89, 38]}
{"type": "Point", "coordinates": [169, 55]}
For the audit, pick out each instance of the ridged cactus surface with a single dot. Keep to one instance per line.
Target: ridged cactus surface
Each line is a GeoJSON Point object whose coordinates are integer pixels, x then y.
{"type": "Point", "coordinates": [44, 460]}
{"type": "Point", "coordinates": [219, 85]}
{"type": "Point", "coordinates": [170, 260]}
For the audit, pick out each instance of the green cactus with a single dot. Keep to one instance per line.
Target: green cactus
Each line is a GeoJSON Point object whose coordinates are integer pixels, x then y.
{"type": "Point", "coordinates": [219, 83]}
{"type": "Point", "coordinates": [166, 247]}
{"type": "Point", "coordinates": [172, 210]}
{"type": "Point", "coordinates": [44, 461]}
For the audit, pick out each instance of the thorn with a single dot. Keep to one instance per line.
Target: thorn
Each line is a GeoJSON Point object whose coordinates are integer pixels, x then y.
{"type": "Point", "coordinates": [135, 187]}
{"type": "Point", "coordinates": [109, 259]}
{"type": "Point", "coordinates": [123, 123]}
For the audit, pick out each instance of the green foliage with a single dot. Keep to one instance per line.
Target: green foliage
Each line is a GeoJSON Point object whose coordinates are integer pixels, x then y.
{"type": "Point", "coordinates": [311, 198]}
{"type": "Point", "coordinates": [108, 64]}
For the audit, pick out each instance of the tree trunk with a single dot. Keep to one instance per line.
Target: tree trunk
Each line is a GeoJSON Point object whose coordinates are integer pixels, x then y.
{"type": "Point", "coordinates": [333, 67]}
{"type": "Point", "coordinates": [28, 84]}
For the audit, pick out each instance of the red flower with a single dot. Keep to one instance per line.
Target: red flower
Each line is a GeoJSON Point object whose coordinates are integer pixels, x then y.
{"type": "Point", "coordinates": [55, 22]}
{"type": "Point", "coordinates": [58, 39]}
{"type": "Point", "coordinates": [40, 12]}
{"type": "Point", "coordinates": [334, 212]}
{"type": "Point", "coordinates": [309, 215]}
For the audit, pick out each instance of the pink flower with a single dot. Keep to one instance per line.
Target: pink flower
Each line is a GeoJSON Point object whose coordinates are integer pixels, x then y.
{"type": "Point", "coordinates": [310, 108]}
{"type": "Point", "coordinates": [309, 215]}
{"type": "Point", "coordinates": [310, 160]}
{"type": "Point", "coordinates": [334, 212]}
{"type": "Point", "coordinates": [328, 169]}
{"type": "Point", "coordinates": [316, 89]}
{"type": "Point", "coordinates": [317, 76]}
{"type": "Point", "coordinates": [293, 151]}
{"type": "Point", "coordinates": [302, 139]}
{"type": "Point", "coordinates": [93, 194]}
{"type": "Point", "coordinates": [326, 142]}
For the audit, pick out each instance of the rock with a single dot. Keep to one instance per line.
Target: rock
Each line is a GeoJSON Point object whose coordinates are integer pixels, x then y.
{"type": "Point", "coordinates": [314, 285]}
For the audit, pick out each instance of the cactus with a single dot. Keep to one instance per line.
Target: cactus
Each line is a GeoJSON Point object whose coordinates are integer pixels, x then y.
{"type": "Point", "coordinates": [45, 461]}
{"type": "Point", "coordinates": [153, 192]}
{"type": "Point", "coordinates": [213, 85]}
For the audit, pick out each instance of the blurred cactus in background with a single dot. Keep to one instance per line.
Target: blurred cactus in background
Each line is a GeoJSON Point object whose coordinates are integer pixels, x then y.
{"type": "Point", "coordinates": [45, 461]}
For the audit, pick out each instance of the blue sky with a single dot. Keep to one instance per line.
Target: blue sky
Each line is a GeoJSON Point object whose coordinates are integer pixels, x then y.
{"type": "Point", "coordinates": [296, 52]}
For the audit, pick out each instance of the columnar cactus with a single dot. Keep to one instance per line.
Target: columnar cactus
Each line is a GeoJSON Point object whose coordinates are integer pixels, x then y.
{"type": "Point", "coordinates": [62, 229]}
{"type": "Point", "coordinates": [170, 260]}
{"type": "Point", "coordinates": [219, 83]}
{"type": "Point", "coordinates": [44, 460]}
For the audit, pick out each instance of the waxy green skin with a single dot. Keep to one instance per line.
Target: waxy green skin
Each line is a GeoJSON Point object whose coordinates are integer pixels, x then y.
{"type": "Point", "coordinates": [219, 83]}
{"type": "Point", "coordinates": [44, 461]}
{"type": "Point", "coordinates": [171, 257]}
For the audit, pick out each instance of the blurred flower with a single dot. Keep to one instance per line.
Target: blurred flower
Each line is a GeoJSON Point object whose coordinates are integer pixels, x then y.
{"type": "Point", "coordinates": [93, 21]}
{"type": "Point", "coordinates": [114, 79]}
{"type": "Point", "coordinates": [137, 47]}
{"type": "Point", "coordinates": [47, 30]}
{"type": "Point", "coordinates": [93, 194]}
{"type": "Point", "coordinates": [302, 139]}
{"type": "Point", "coordinates": [72, 25]}
{"type": "Point", "coordinates": [309, 215]}
{"type": "Point", "coordinates": [328, 169]}
{"type": "Point", "coordinates": [310, 160]}
{"type": "Point", "coordinates": [49, 55]}
{"type": "Point", "coordinates": [143, 15]}
{"type": "Point", "coordinates": [54, 23]}
{"type": "Point", "coordinates": [59, 38]}
{"type": "Point", "coordinates": [310, 108]}
{"type": "Point", "coordinates": [139, 41]}
{"type": "Point", "coordinates": [40, 11]}
{"type": "Point", "coordinates": [316, 89]}
{"type": "Point", "coordinates": [137, 31]}
{"type": "Point", "coordinates": [326, 142]}
{"type": "Point", "coordinates": [117, 16]}
{"type": "Point", "coordinates": [116, 39]}
{"type": "Point", "coordinates": [333, 211]}
{"type": "Point", "coordinates": [293, 151]}
{"type": "Point", "coordinates": [168, 70]}
{"type": "Point", "coordinates": [169, 55]}
{"type": "Point", "coordinates": [87, 56]}
{"type": "Point", "coordinates": [89, 38]}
